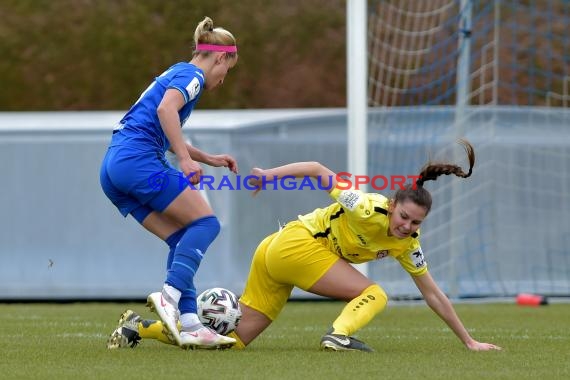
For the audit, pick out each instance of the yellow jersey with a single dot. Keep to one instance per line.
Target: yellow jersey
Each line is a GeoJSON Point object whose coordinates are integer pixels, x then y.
{"type": "Point", "coordinates": [356, 229]}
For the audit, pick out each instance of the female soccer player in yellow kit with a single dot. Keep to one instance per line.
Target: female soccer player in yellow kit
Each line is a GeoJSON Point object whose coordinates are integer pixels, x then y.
{"type": "Point", "coordinates": [315, 254]}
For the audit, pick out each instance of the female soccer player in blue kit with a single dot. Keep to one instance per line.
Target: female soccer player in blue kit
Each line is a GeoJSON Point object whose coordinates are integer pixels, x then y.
{"type": "Point", "coordinates": [315, 251]}
{"type": "Point", "coordinates": [136, 176]}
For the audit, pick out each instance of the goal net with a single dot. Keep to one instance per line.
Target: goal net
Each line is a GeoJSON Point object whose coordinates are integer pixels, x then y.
{"type": "Point", "coordinates": [496, 73]}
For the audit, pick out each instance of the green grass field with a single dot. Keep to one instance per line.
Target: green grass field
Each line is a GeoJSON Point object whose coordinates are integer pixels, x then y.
{"type": "Point", "coordinates": [67, 341]}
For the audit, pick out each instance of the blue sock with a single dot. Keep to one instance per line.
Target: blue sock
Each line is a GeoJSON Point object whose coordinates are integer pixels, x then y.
{"type": "Point", "coordinates": [172, 241]}
{"type": "Point", "coordinates": [187, 257]}
{"type": "Point", "coordinates": [188, 303]}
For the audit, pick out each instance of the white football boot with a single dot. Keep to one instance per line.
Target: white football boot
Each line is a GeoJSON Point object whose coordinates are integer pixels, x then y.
{"type": "Point", "coordinates": [168, 313]}
{"type": "Point", "coordinates": [202, 337]}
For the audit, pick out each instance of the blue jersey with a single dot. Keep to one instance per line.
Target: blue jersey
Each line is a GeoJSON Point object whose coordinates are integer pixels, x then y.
{"type": "Point", "coordinates": [140, 128]}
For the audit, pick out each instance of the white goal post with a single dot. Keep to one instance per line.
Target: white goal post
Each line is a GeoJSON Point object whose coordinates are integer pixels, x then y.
{"type": "Point", "coordinates": [357, 95]}
{"type": "Point", "coordinates": [497, 73]}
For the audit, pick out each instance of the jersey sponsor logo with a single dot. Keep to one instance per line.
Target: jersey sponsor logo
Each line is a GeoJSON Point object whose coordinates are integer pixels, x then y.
{"type": "Point", "coordinates": [193, 88]}
{"type": "Point", "coordinates": [418, 258]}
{"type": "Point", "coordinates": [350, 199]}
{"type": "Point", "coordinates": [361, 238]}
{"type": "Point", "coordinates": [382, 253]}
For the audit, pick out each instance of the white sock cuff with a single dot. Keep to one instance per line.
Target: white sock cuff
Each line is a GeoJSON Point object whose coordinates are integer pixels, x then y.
{"type": "Point", "coordinates": [188, 320]}
{"type": "Point", "coordinates": [172, 292]}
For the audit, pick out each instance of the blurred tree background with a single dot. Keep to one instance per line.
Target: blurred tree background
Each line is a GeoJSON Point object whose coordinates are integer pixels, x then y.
{"type": "Point", "coordinates": [101, 54]}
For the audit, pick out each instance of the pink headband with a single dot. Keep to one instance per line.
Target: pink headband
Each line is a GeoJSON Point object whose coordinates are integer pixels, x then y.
{"type": "Point", "coordinates": [223, 48]}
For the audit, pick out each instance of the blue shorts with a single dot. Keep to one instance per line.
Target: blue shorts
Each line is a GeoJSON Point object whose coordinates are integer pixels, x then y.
{"type": "Point", "coordinates": [139, 182]}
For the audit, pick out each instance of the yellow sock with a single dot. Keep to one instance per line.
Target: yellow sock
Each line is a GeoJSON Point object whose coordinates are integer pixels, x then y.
{"type": "Point", "coordinates": [149, 329]}
{"type": "Point", "coordinates": [358, 312]}
{"type": "Point", "coordinates": [239, 344]}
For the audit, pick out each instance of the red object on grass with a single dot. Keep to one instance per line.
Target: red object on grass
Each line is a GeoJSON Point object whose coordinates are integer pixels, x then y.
{"type": "Point", "coordinates": [527, 299]}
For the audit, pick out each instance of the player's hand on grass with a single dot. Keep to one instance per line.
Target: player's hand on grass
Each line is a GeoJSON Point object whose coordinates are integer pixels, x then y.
{"type": "Point", "coordinates": [480, 346]}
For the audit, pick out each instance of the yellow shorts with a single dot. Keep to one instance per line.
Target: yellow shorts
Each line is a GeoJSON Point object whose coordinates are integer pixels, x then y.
{"type": "Point", "coordinates": [288, 258]}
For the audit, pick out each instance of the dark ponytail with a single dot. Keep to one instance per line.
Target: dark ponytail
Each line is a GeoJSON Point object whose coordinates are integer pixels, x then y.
{"type": "Point", "coordinates": [420, 196]}
{"type": "Point", "coordinates": [431, 171]}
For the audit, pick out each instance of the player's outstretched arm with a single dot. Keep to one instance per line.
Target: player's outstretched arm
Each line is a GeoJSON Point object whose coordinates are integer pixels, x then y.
{"type": "Point", "coordinates": [441, 305]}
{"type": "Point", "coordinates": [311, 169]}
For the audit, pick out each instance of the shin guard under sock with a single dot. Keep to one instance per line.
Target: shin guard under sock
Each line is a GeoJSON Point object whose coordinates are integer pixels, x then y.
{"type": "Point", "coordinates": [360, 311]}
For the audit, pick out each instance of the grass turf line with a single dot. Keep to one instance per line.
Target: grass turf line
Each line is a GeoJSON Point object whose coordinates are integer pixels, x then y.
{"type": "Point", "coordinates": [67, 341]}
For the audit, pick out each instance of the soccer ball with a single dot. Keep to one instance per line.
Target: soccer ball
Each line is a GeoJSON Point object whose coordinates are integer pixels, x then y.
{"type": "Point", "coordinates": [218, 308]}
